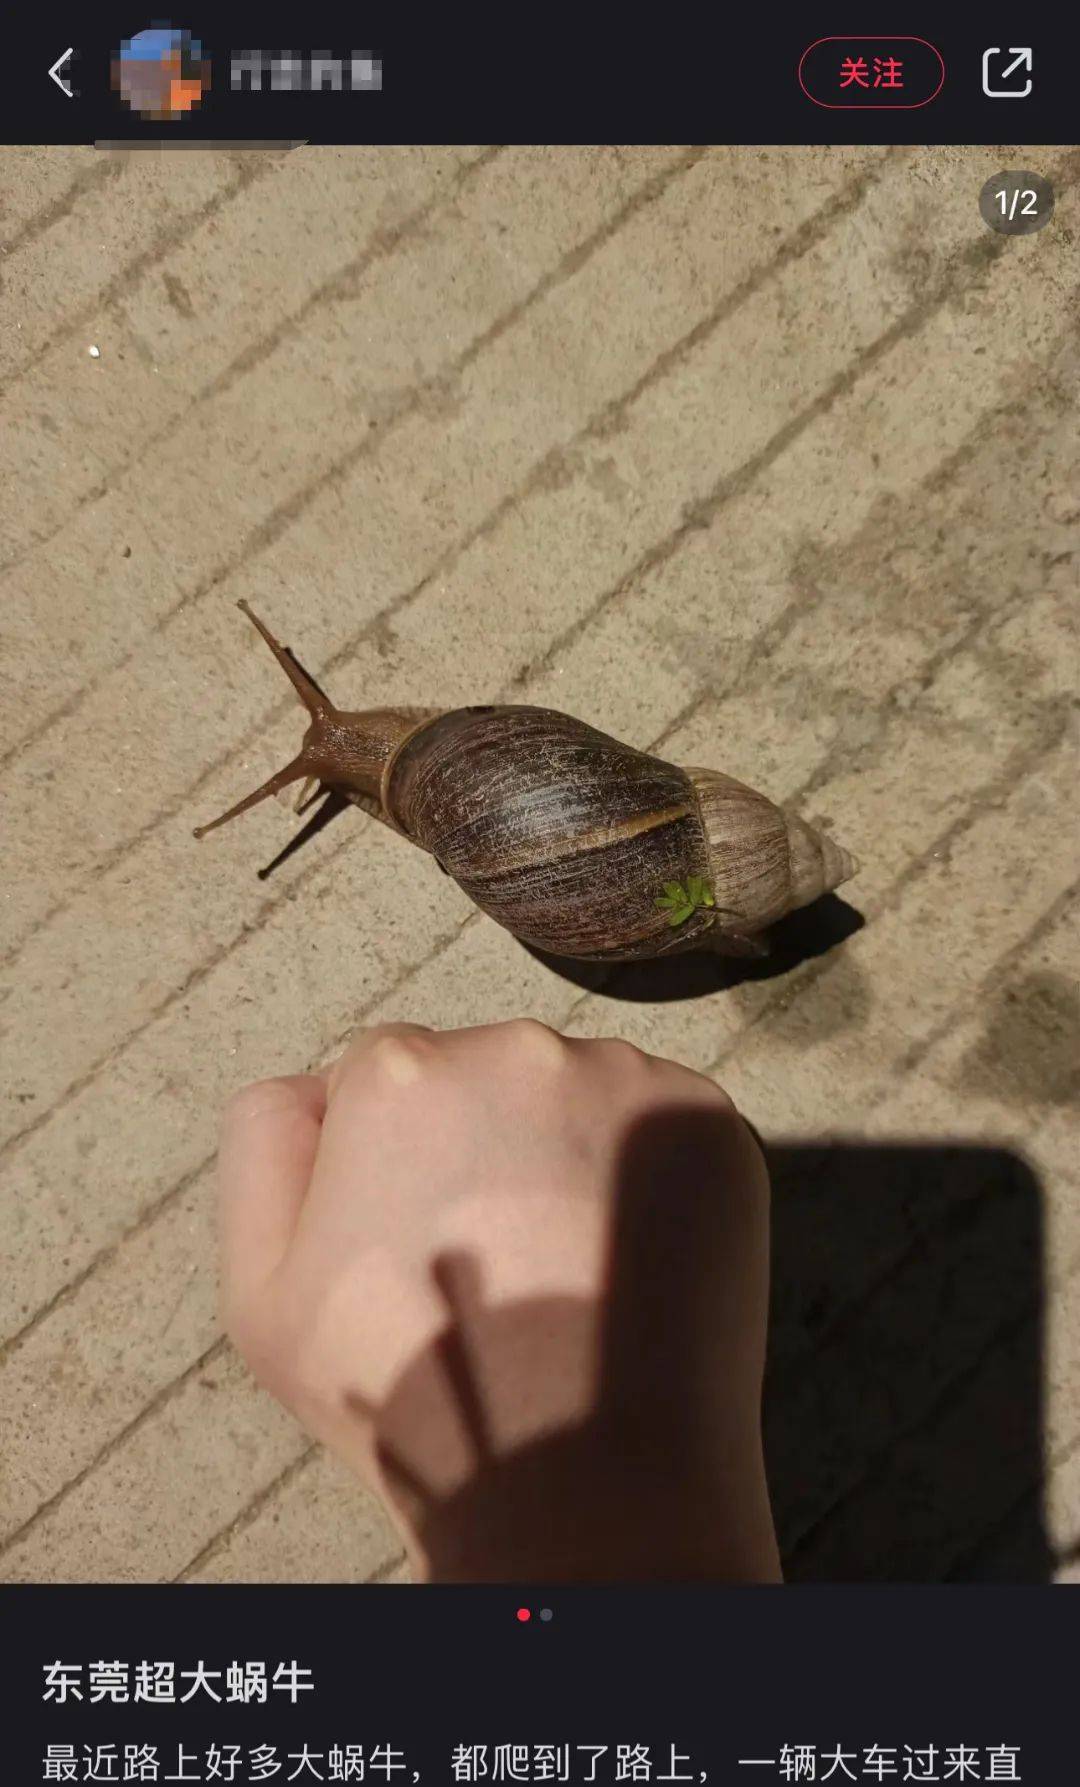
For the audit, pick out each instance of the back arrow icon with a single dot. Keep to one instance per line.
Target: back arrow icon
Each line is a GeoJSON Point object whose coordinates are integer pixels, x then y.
{"type": "Point", "coordinates": [55, 74]}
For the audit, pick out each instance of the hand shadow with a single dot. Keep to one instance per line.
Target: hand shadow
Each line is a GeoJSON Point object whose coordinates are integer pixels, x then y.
{"type": "Point", "coordinates": [902, 1413]}
{"type": "Point", "coordinates": [568, 1506]}
{"type": "Point", "coordinates": [802, 935]}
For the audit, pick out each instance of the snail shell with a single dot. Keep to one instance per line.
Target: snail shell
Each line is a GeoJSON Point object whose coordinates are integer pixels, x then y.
{"type": "Point", "coordinates": [566, 836]}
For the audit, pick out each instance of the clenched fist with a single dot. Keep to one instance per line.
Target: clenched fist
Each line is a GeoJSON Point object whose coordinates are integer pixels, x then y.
{"type": "Point", "coordinates": [518, 1281]}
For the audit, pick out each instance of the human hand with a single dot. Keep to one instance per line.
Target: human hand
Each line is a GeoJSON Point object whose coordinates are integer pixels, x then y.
{"type": "Point", "coordinates": [518, 1282]}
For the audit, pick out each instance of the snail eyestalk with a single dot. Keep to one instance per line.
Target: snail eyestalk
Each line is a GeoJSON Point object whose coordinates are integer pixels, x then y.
{"type": "Point", "coordinates": [302, 767]}
{"type": "Point", "coordinates": [291, 773]}
{"type": "Point", "coordinates": [309, 692]}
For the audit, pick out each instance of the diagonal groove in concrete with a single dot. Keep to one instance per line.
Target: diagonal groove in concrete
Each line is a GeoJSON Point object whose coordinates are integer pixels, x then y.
{"type": "Point", "coordinates": [383, 242]}
{"type": "Point", "coordinates": [128, 277]}
{"type": "Point", "coordinates": [287, 512]}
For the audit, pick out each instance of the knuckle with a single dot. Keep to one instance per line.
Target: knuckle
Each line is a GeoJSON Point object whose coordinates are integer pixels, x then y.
{"type": "Point", "coordinates": [708, 1093]}
{"type": "Point", "coordinates": [385, 1055]}
{"type": "Point", "coordinates": [719, 1095]}
{"type": "Point", "coordinates": [539, 1044]}
{"type": "Point", "coordinates": [254, 1100]}
{"type": "Point", "coordinates": [400, 1058]}
{"type": "Point", "coordinates": [526, 1027]}
{"type": "Point", "coordinates": [621, 1057]}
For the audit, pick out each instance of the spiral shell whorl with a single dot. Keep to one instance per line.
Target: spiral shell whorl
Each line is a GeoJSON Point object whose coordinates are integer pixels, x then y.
{"type": "Point", "coordinates": [763, 861]}
{"type": "Point", "coordinates": [818, 864]}
{"type": "Point", "coordinates": [746, 838]}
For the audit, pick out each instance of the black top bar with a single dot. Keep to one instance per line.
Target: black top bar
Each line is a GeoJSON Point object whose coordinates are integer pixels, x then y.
{"type": "Point", "coordinates": [359, 75]}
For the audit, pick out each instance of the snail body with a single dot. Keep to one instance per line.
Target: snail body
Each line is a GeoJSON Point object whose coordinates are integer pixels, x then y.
{"type": "Point", "coordinates": [578, 844]}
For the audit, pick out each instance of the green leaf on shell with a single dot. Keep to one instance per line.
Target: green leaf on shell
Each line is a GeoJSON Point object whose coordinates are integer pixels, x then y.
{"type": "Point", "coordinates": [681, 902]}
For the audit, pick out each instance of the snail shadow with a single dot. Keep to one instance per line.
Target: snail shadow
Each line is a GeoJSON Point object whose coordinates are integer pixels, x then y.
{"type": "Point", "coordinates": [902, 1403]}
{"type": "Point", "coordinates": [812, 931]}
{"type": "Point", "coordinates": [328, 804]}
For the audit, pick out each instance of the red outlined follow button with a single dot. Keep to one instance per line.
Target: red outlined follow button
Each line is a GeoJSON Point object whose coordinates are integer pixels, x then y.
{"type": "Point", "coordinates": [871, 73]}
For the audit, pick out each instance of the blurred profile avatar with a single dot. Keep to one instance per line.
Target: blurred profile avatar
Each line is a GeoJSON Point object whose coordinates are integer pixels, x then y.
{"type": "Point", "coordinates": [161, 73]}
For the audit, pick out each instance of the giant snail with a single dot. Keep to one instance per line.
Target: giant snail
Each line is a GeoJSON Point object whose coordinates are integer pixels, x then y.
{"type": "Point", "coordinates": [579, 845]}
